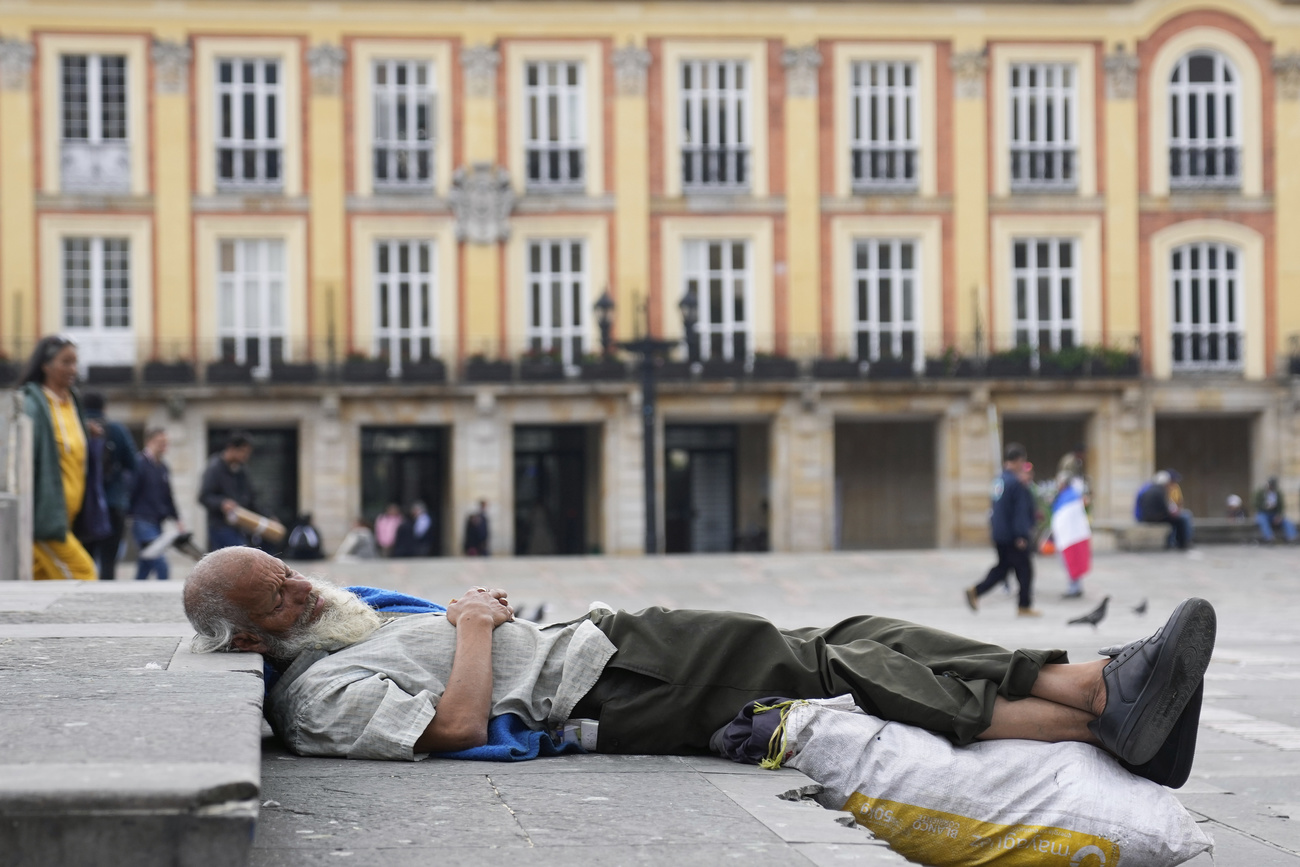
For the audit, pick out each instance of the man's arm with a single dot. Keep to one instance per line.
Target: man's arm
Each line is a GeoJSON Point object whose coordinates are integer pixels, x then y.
{"type": "Point", "coordinates": [461, 721]}
{"type": "Point", "coordinates": [211, 493]}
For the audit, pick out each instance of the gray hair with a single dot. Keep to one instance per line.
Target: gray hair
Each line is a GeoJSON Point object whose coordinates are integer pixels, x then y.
{"type": "Point", "coordinates": [214, 617]}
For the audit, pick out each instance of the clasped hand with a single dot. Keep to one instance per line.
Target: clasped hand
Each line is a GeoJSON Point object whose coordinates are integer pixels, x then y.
{"type": "Point", "coordinates": [479, 602]}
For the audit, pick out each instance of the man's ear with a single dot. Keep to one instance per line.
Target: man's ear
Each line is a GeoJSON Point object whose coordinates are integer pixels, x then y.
{"type": "Point", "coordinates": [247, 642]}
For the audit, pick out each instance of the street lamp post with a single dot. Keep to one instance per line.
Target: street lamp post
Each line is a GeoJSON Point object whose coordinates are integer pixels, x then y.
{"type": "Point", "coordinates": [649, 350]}
{"type": "Point", "coordinates": [605, 320]}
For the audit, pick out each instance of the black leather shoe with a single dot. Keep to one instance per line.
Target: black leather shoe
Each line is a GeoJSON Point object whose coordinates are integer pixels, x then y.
{"type": "Point", "coordinates": [1150, 681]}
{"type": "Point", "coordinates": [1173, 764]}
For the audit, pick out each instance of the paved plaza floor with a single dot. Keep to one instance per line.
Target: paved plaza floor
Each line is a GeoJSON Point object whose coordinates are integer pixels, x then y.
{"type": "Point", "coordinates": [609, 810]}
{"type": "Point", "coordinates": [598, 810]}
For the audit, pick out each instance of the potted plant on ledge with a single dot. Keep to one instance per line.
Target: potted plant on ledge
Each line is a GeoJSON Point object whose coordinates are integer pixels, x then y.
{"type": "Point", "coordinates": [428, 369]}
{"type": "Point", "coordinates": [768, 366]}
{"type": "Point", "coordinates": [168, 372]}
{"type": "Point", "coordinates": [541, 365]}
{"type": "Point", "coordinates": [602, 368]}
{"type": "Point", "coordinates": [1011, 362]}
{"type": "Point", "coordinates": [479, 368]}
{"type": "Point", "coordinates": [360, 368]}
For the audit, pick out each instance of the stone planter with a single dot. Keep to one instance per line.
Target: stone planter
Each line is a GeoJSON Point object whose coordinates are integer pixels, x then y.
{"type": "Point", "coordinates": [775, 368]}
{"type": "Point", "coordinates": [483, 370]}
{"type": "Point", "coordinates": [674, 371]}
{"type": "Point", "coordinates": [168, 373]}
{"type": "Point", "coordinates": [294, 372]}
{"type": "Point", "coordinates": [110, 374]}
{"type": "Point", "coordinates": [540, 371]}
{"type": "Point", "coordinates": [890, 368]}
{"type": "Point", "coordinates": [835, 368]}
{"type": "Point", "coordinates": [605, 370]}
{"type": "Point", "coordinates": [228, 373]}
{"type": "Point", "coordinates": [373, 370]}
{"type": "Point", "coordinates": [720, 368]}
{"type": "Point", "coordinates": [1007, 366]}
{"type": "Point", "coordinates": [428, 370]}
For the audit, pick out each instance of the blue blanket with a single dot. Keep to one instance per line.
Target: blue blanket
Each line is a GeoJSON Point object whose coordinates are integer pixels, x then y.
{"type": "Point", "coordinates": [509, 740]}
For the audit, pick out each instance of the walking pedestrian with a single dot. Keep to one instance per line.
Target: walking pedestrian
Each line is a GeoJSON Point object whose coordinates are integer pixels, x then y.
{"type": "Point", "coordinates": [1012, 530]}
{"type": "Point", "coordinates": [152, 503]}
{"type": "Point", "coordinates": [226, 486]}
{"type": "Point", "coordinates": [117, 468]}
{"type": "Point", "coordinates": [59, 449]}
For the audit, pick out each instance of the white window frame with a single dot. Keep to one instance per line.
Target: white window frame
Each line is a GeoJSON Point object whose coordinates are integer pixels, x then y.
{"type": "Point", "coordinates": [253, 272]}
{"type": "Point", "coordinates": [101, 320]}
{"type": "Point", "coordinates": [885, 150]}
{"type": "Point", "coordinates": [698, 276]}
{"type": "Point", "coordinates": [554, 141]}
{"type": "Point", "coordinates": [268, 124]}
{"type": "Point", "coordinates": [1210, 290]}
{"type": "Point", "coordinates": [904, 290]}
{"type": "Point", "coordinates": [716, 146]}
{"type": "Point", "coordinates": [1044, 126]}
{"type": "Point", "coordinates": [1062, 329]}
{"type": "Point", "coordinates": [541, 332]}
{"type": "Point", "coordinates": [417, 340]}
{"type": "Point", "coordinates": [1198, 160]}
{"type": "Point", "coordinates": [397, 105]}
{"type": "Point", "coordinates": [100, 159]}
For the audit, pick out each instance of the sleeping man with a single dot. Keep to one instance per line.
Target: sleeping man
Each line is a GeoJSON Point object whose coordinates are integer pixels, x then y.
{"type": "Point", "coordinates": [357, 684]}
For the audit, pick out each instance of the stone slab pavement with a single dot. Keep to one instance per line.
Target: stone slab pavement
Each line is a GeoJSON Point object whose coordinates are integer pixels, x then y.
{"type": "Point", "coordinates": [590, 810]}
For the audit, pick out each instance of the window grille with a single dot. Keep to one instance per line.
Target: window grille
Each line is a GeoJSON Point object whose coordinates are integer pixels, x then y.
{"type": "Point", "coordinates": [1206, 294]}
{"type": "Point", "coordinates": [557, 298]}
{"type": "Point", "coordinates": [884, 147]}
{"type": "Point", "coordinates": [404, 99]}
{"type": "Point", "coordinates": [1045, 273]}
{"type": "Point", "coordinates": [555, 150]}
{"type": "Point", "coordinates": [1043, 126]}
{"type": "Point", "coordinates": [97, 297]}
{"type": "Point", "coordinates": [715, 126]}
{"type": "Point", "coordinates": [719, 273]}
{"type": "Point", "coordinates": [251, 302]}
{"type": "Point", "coordinates": [1204, 123]}
{"type": "Point", "coordinates": [93, 129]}
{"type": "Point", "coordinates": [406, 318]}
{"type": "Point", "coordinates": [250, 138]}
{"type": "Point", "coordinates": [886, 278]}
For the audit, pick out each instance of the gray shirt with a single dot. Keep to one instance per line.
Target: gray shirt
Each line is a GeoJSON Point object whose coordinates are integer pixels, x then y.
{"type": "Point", "coordinates": [373, 699]}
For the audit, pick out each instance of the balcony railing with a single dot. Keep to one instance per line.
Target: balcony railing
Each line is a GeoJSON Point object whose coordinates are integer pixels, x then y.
{"type": "Point", "coordinates": [1208, 351]}
{"type": "Point", "coordinates": [720, 169]}
{"type": "Point", "coordinates": [102, 168]}
{"type": "Point", "coordinates": [557, 168]}
{"type": "Point", "coordinates": [247, 167]}
{"type": "Point", "coordinates": [404, 168]}
{"type": "Point", "coordinates": [1201, 168]}
{"type": "Point", "coordinates": [1043, 169]}
{"type": "Point", "coordinates": [885, 169]}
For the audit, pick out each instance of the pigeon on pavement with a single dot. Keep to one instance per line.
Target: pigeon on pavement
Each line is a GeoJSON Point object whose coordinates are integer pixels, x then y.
{"type": "Point", "coordinates": [1141, 608]}
{"type": "Point", "coordinates": [1094, 616]}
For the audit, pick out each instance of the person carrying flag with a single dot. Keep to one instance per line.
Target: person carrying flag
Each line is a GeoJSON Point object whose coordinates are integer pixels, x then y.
{"type": "Point", "coordinates": [1071, 532]}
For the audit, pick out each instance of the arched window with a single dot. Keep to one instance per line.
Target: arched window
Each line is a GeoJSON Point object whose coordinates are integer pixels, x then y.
{"type": "Point", "coordinates": [1204, 122]}
{"type": "Point", "coordinates": [1207, 317]}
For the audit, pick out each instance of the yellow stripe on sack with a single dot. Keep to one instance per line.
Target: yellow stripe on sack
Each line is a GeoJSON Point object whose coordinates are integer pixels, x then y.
{"type": "Point", "coordinates": [948, 840]}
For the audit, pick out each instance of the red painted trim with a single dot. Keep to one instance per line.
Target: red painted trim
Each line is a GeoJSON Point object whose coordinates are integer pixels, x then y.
{"type": "Point", "coordinates": [945, 119]}
{"type": "Point", "coordinates": [349, 124]}
{"type": "Point", "coordinates": [827, 287]}
{"type": "Point", "coordinates": [655, 127]}
{"type": "Point", "coordinates": [1099, 113]}
{"type": "Point", "coordinates": [503, 103]}
{"type": "Point", "coordinates": [607, 113]}
{"type": "Point", "coordinates": [194, 284]}
{"type": "Point", "coordinates": [655, 288]}
{"type": "Point", "coordinates": [457, 109]}
{"type": "Point", "coordinates": [826, 97]}
{"type": "Point", "coordinates": [34, 87]}
{"type": "Point", "coordinates": [349, 329]}
{"type": "Point", "coordinates": [948, 301]}
{"type": "Point", "coordinates": [775, 119]}
{"type": "Point", "coordinates": [780, 287]}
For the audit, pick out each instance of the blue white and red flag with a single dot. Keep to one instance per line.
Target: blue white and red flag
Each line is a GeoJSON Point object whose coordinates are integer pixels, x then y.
{"type": "Point", "coordinates": [1071, 531]}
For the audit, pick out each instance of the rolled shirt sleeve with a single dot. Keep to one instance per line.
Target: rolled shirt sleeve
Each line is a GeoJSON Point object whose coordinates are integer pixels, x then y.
{"type": "Point", "coordinates": [368, 718]}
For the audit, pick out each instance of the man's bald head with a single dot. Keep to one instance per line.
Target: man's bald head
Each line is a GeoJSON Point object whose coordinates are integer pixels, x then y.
{"type": "Point", "coordinates": [244, 599]}
{"type": "Point", "coordinates": [208, 606]}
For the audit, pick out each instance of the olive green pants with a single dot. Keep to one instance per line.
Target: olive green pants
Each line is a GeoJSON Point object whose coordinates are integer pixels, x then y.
{"type": "Point", "coordinates": [678, 676]}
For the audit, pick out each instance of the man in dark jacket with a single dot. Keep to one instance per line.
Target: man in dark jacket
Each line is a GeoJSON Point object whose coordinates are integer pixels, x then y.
{"type": "Point", "coordinates": [225, 486]}
{"type": "Point", "coordinates": [1012, 525]}
{"type": "Point", "coordinates": [1154, 507]}
{"type": "Point", "coordinates": [118, 467]}
{"type": "Point", "coordinates": [152, 502]}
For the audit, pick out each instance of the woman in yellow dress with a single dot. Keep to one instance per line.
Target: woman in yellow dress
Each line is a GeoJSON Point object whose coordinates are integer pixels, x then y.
{"type": "Point", "coordinates": [59, 446]}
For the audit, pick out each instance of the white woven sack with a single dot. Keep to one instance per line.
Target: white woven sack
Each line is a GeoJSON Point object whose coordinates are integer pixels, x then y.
{"type": "Point", "coordinates": [1010, 803]}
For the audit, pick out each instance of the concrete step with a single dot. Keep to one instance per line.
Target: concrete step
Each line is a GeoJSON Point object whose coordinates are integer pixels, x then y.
{"type": "Point", "coordinates": [117, 745]}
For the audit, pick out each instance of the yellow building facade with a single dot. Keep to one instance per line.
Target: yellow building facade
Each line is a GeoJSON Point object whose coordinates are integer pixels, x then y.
{"type": "Point", "coordinates": [375, 235]}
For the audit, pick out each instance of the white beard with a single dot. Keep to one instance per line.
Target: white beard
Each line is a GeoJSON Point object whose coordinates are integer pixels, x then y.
{"type": "Point", "coordinates": [344, 620]}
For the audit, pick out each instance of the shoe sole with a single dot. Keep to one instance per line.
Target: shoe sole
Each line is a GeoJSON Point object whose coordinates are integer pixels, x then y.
{"type": "Point", "coordinates": [1180, 668]}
